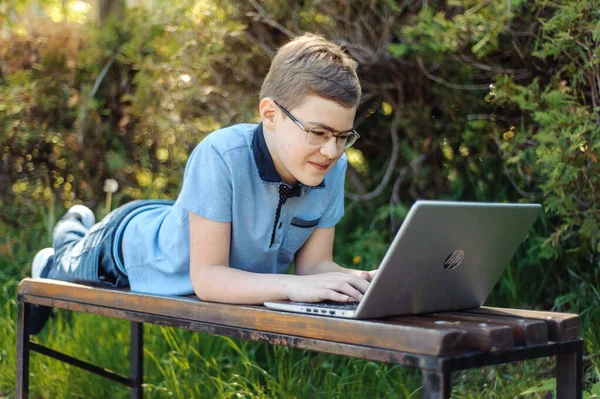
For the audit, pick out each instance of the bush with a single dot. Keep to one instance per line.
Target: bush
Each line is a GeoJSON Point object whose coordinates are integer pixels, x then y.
{"type": "Point", "coordinates": [129, 105]}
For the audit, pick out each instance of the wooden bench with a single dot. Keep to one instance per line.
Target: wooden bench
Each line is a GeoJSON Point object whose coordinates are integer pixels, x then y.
{"type": "Point", "coordinates": [438, 344]}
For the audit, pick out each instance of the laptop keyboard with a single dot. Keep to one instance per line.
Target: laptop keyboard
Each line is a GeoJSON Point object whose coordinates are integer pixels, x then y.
{"type": "Point", "coordinates": [335, 305]}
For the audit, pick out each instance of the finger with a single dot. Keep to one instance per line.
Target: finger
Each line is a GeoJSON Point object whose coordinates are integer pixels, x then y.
{"type": "Point", "coordinates": [366, 276]}
{"type": "Point", "coordinates": [348, 289]}
{"type": "Point", "coordinates": [337, 297]}
{"type": "Point", "coordinates": [358, 282]}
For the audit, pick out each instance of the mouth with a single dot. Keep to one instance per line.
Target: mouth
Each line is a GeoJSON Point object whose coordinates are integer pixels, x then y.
{"type": "Point", "coordinates": [320, 166]}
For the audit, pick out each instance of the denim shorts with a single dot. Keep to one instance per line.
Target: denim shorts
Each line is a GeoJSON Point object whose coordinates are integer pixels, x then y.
{"type": "Point", "coordinates": [91, 258]}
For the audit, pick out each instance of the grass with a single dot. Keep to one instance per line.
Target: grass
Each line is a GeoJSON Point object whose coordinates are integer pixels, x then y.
{"type": "Point", "coordinates": [181, 364]}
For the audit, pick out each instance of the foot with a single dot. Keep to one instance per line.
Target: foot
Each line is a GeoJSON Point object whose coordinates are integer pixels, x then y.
{"type": "Point", "coordinates": [42, 263]}
{"type": "Point", "coordinates": [83, 213]}
{"type": "Point", "coordinates": [40, 267]}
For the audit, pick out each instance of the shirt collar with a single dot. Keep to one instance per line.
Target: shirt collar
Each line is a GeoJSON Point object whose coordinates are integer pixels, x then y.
{"type": "Point", "coordinates": [266, 167]}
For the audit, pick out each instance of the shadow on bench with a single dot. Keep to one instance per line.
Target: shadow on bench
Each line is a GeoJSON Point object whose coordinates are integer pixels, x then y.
{"type": "Point", "coordinates": [438, 343]}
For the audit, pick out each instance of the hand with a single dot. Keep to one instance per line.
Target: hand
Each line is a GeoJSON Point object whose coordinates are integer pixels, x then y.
{"type": "Point", "coordinates": [334, 286]}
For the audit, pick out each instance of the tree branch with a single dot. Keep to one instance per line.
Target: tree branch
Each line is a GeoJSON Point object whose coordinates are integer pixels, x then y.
{"type": "Point", "coordinates": [269, 21]}
{"type": "Point", "coordinates": [512, 180]}
{"type": "Point", "coordinates": [388, 173]}
{"type": "Point", "coordinates": [450, 85]}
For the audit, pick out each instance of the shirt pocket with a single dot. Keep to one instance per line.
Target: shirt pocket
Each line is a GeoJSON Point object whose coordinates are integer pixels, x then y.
{"type": "Point", "coordinates": [298, 232]}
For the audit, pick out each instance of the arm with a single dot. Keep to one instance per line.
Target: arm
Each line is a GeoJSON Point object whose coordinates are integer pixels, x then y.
{"type": "Point", "coordinates": [316, 256]}
{"type": "Point", "coordinates": [214, 280]}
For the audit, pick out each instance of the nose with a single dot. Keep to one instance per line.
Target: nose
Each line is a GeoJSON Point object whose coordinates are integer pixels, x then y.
{"type": "Point", "coordinates": [330, 149]}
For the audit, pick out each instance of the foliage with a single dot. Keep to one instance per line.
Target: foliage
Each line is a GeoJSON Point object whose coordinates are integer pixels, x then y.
{"type": "Point", "coordinates": [554, 149]}
{"type": "Point", "coordinates": [130, 106]}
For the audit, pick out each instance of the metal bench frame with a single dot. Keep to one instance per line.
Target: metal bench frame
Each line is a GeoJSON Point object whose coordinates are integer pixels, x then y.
{"type": "Point", "coordinates": [436, 370]}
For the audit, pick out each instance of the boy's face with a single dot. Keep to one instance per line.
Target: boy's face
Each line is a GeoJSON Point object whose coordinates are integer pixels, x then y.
{"type": "Point", "coordinates": [297, 160]}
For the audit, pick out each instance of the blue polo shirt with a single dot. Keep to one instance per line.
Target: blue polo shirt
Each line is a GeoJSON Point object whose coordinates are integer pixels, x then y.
{"type": "Point", "coordinates": [230, 177]}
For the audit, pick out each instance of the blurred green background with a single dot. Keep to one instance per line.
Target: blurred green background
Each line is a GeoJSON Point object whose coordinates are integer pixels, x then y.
{"type": "Point", "coordinates": [473, 100]}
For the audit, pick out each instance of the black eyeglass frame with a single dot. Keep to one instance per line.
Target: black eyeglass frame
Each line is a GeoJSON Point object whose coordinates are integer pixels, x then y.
{"type": "Point", "coordinates": [349, 142]}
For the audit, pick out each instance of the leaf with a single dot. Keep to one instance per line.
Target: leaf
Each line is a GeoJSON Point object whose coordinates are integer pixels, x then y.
{"type": "Point", "coordinates": [115, 161]}
{"type": "Point", "coordinates": [596, 31]}
{"type": "Point", "coordinates": [399, 49]}
{"type": "Point", "coordinates": [596, 389]}
{"type": "Point", "coordinates": [562, 300]}
{"type": "Point", "coordinates": [546, 385]}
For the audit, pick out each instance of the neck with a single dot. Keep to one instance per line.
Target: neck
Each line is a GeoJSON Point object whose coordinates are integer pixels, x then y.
{"type": "Point", "coordinates": [283, 173]}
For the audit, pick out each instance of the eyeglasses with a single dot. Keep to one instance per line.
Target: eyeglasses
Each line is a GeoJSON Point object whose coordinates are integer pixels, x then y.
{"type": "Point", "coordinates": [320, 136]}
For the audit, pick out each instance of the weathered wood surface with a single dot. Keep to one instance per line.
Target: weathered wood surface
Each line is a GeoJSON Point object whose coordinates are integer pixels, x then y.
{"type": "Point", "coordinates": [377, 334]}
{"type": "Point", "coordinates": [481, 336]}
{"type": "Point", "coordinates": [440, 334]}
{"type": "Point", "coordinates": [561, 326]}
{"type": "Point", "coordinates": [526, 332]}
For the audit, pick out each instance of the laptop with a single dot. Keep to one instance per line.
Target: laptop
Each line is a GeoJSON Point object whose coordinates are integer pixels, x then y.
{"type": "Point", "coordinates": [446, 256]}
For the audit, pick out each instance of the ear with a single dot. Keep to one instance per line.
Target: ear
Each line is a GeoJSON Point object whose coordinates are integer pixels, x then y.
{"type": "Point", "coordinates": [267, 112]}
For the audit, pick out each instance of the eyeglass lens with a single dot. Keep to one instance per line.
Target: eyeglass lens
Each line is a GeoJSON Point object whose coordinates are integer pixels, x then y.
{"type": "Point", "coordinates": [318, 136]}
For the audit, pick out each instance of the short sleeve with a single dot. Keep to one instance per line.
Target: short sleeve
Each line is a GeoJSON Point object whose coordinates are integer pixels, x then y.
{"type": "Point", "coordinates": [335, 209]}
{"type": "Point", "coordinates": [207, 184]}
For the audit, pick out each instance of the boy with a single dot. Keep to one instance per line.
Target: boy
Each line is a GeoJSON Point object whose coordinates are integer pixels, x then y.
{"type": "Point", "coordinates": [254, 198]}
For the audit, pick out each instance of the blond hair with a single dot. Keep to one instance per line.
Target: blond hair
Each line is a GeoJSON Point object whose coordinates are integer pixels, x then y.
{"type": "Point", "coordinates": [312, 65]}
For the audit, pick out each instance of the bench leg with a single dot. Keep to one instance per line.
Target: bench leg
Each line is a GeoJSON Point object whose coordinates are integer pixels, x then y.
{"type": "Point", "coordinates": [436, 384]}
{"type": "Point", "coordinates": [136, 359]}
{"type": "Point", "coordinates": [22, 349]}
{"type": "Point", "coordinates": [569, 375]}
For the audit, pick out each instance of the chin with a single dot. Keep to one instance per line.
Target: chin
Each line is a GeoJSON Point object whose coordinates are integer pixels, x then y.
{"type": "Point", "coordinates": [311, 180]}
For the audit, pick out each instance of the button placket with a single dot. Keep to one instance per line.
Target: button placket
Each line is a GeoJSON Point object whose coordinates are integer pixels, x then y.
{"type": "Point", "coordinates": [284, 191]}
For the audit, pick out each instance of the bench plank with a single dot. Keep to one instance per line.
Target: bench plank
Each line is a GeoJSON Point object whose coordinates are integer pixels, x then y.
{"type": "Point", "coordinates": [481, 336]}
{"type": "Point", "coordinates": [526, 332]}
{"type": "Point", "coordinates": [414, 339]}
{"type": "Point", "coordinates": [292, 341]}
{"type": "Point", "coordinates": [561, 326]}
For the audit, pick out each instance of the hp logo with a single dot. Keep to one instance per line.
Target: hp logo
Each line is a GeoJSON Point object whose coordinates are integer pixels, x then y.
{"type": "Point", "coordinates": [454, 259]}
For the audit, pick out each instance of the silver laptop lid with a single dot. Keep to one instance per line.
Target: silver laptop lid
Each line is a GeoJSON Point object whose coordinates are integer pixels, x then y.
{"type": "Point", "coordinates": [446, 256]}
